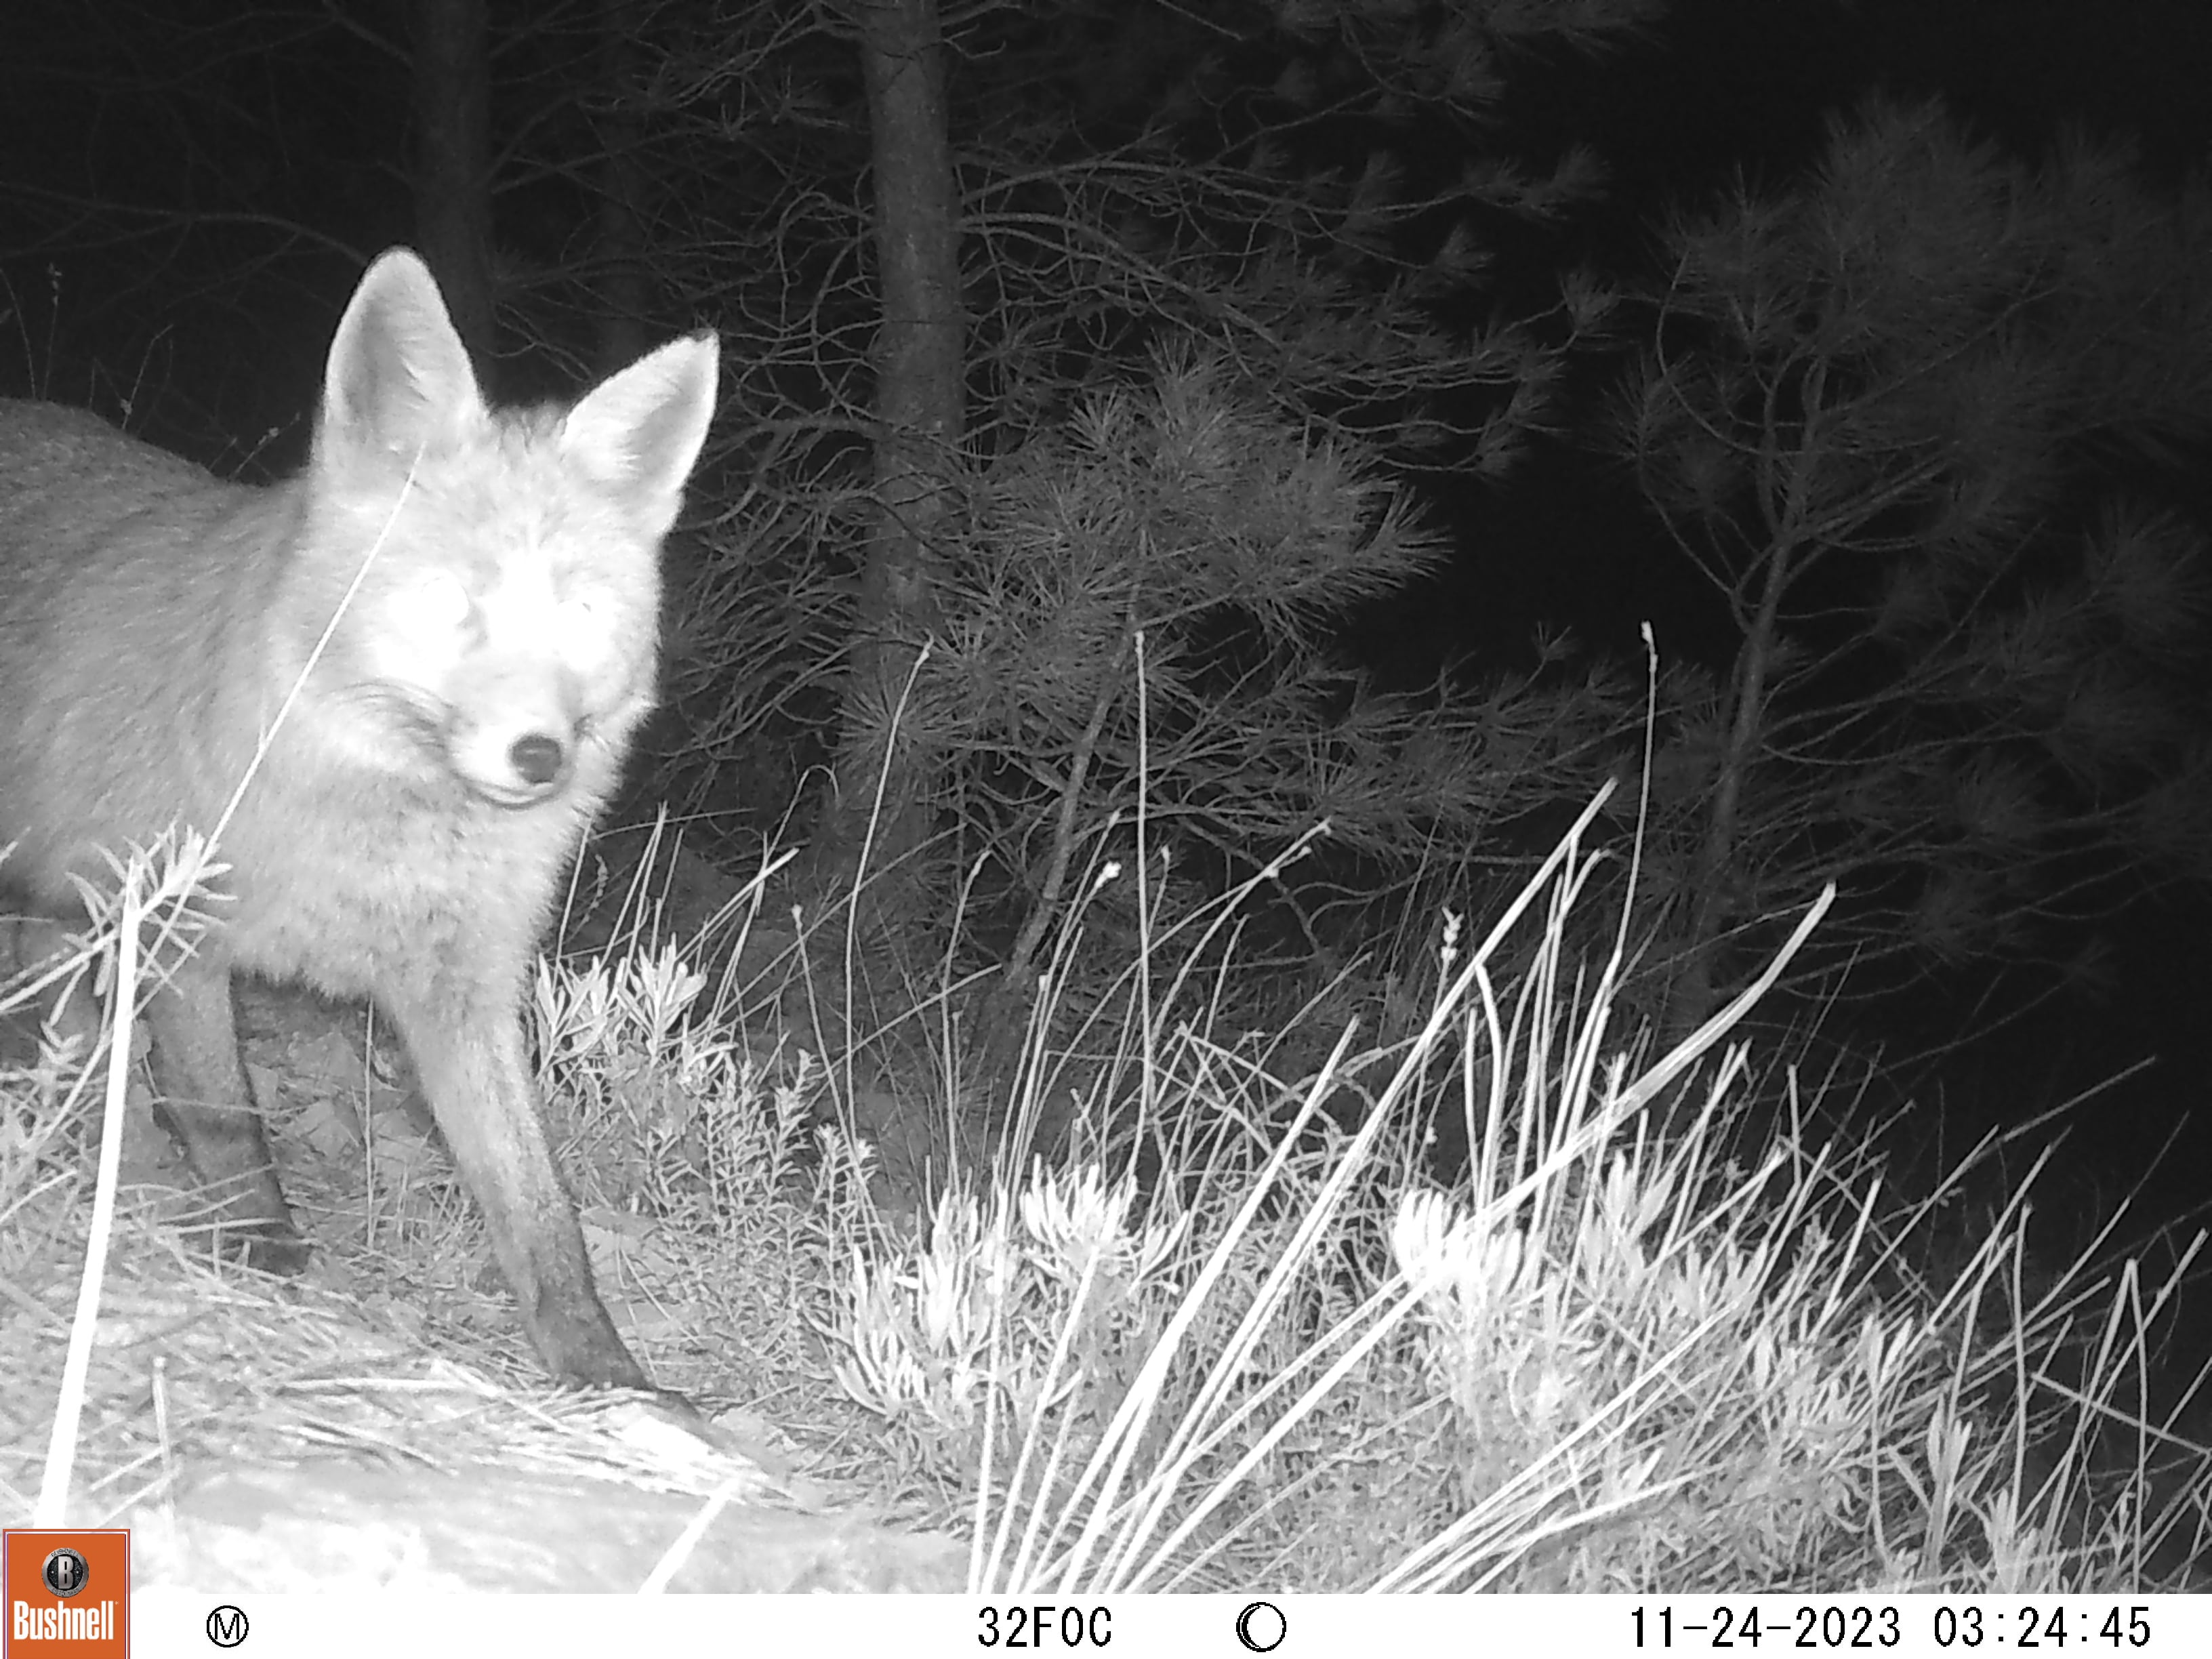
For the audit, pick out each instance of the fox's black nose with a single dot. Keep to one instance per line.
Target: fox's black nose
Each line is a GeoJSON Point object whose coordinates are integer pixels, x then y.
{"type": "Point", "coordinates": [536, 758]}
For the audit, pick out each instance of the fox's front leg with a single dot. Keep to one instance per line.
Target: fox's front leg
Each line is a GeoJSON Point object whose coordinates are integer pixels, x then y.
{"type": "Point", "coordinates": [207, 1103]}
{"type": "Point", "coordinates": [470, 1064]}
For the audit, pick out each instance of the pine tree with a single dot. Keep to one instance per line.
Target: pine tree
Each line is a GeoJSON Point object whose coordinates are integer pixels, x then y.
{"type": "Point", "coordinates": [1891, 417]}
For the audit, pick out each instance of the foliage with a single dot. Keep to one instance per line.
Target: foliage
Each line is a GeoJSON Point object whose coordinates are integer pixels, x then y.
{"type": "Point", "coordinates": [1137, 623]}
{"type": "Point", "coordinates": [1134, 186]}
{"type": "Point", "coordinates": [1903, 420]}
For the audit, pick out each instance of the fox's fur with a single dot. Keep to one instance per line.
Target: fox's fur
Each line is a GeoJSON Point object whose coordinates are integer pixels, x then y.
{"type": "Point", "coordinates": [444, 630]}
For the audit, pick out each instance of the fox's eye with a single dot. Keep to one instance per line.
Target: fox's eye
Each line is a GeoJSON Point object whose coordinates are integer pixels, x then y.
{"type": "Point", "coordinates": [441, 602]}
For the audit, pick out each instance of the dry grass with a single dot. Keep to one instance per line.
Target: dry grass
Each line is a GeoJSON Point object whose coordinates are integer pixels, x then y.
{"type": "Point", "coordinates": [1632, 1348]}
{"type": "Point", "coordinates": [1626, 1352]}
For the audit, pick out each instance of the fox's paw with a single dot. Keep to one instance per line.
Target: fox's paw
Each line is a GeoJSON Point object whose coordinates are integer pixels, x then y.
{"type": "Point", "coordinates": [267, 1247]}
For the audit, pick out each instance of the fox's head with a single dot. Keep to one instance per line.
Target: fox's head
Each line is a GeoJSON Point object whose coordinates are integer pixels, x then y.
{"type": "Point", "coordinates": [494, 575]}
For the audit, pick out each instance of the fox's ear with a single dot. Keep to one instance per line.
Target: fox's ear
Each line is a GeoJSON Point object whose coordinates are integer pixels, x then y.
{"type": "Point", "coordinates": [398, 375]}
{"type": "Point", "coordinates": [637, 434]}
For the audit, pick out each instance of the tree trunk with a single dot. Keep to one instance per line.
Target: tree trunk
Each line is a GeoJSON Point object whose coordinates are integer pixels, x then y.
{"type": "Point", "coordinates": [452, 164]}
{"type": "Point", "coordinates": [880, 809]}
{"type": "Point", "coordinates": [1695, 991]}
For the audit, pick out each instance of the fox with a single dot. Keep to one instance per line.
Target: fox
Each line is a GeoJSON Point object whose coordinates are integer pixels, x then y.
{"type": "Point", "coordinates": [396, 689]}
